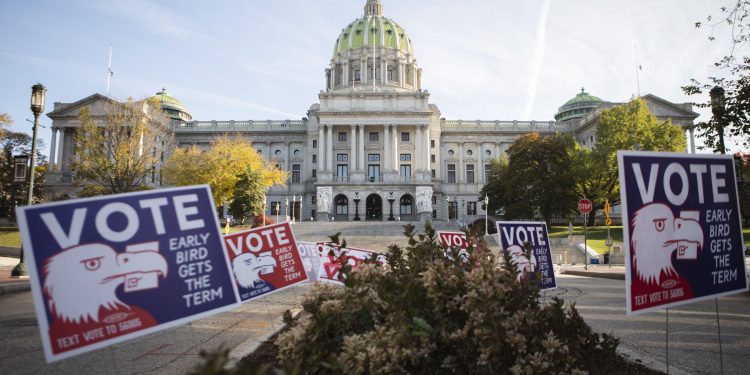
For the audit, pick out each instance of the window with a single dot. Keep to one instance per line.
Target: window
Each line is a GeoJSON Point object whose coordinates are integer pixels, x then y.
{"type": "Point", "coordinates": [390, 73]}
{"type": "Point", "coordinates": [405, 157]}
{"type": "Point", "coordinates": [315, 143]}
{"type": "Point", "coordinates": [432, 158]}
{"type": "Point", "coordinates": [470, 173]}
{"type": "Point", "coordinates": [406, 205]}
{"type": "Point", "coordinates": [356, 75]}
{"type": "Point", "coordinates": [295, 173]}
{"type": "Point", "coordinates": [373, 172]}
{"type": "Point", "coordinates": [451, 173]}
{"type": "Point", "coordinates": [296, 152]}
{"type": "Point", "coordinates": [432, 143]}
{"type": "Point", "coordinates": [488, 152]}
{"type": "Point", "coordinates": [434, 214]}
{"type": "Point", "coordinates": [313, 214]}
{"type": "Point", "coordinates": [342, 205]}
{"type": "Point", "coordinates": [434, 199]}
{"type": "Point", "coordinates": [315, 159]}
{"type": "Point", "coordinates": [342, 157]}
{"type": "Point", "coordinates": [314, 173]}
{"type": "Point", "coordinates": [471, 208]}
{"type": "Point", "coordinates": [433, 173]}
{"type": "Point", "coordinates": [342, 136]}
{"type": "Point", "coordinates": [405, 137]}
{"type": "Point", "coordinates": [487, 172]}
{"type": "Point", "coordinates": [374, 136]}
{"type": "Point", "coordinates": [453, 210]}
{"type": "Point", "coordinates": [450, 152]}
{"type": "Point", "coordinates": [469, 152]}
{"type": "Point", "coordinates": [260, 152]}
{"type": "Point", "coordinates": [342, 170]}
{"type": "Point", "coordinates": [405, 170]}
{"type": "Point", "coordinates": [314, 199]}
{"type": "Point", "coordinates": [373, 157]}
{"type": "Point", "coordinates": [277, 152]}
{"type": "Point", "coordinates": [275, 207]}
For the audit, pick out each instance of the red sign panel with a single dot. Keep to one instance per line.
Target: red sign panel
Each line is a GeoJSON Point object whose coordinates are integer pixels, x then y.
{"type": "Point", "coordinates": [453, 239]}
{"type": "Point", "coordinates": [585, 206]}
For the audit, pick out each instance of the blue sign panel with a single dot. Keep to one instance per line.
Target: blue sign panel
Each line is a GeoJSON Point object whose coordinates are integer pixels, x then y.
{"type": "Point", "coordinates": [513, 236]}
{"type": "Point", "coordinates": [107, 269]}
{"type": "Point", "coordinates": [682, 228]}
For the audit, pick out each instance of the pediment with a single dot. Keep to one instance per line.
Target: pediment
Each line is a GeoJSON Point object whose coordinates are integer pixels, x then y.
{"type": "Point", "coordinates": [98, 104]}
{"type": "Point", "coordinates": [665, 109]}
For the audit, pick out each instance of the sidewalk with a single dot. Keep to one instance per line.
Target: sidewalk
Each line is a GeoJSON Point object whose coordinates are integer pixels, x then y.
{"type": "Point", "coordinates": [616, 271]}
{"type": "Point", "coordinates": [8, 284]}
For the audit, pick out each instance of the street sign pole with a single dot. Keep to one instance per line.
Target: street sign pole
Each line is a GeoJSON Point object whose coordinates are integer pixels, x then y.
{"type": "Point", "coordinates": [585, 206]}
{"type": "Point", "coordinates": [609, 237]}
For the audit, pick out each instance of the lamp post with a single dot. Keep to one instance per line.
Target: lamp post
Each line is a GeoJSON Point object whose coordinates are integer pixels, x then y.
{"type": "Point", "coordinates": [391, 198]}
{"type": "Point", "coordinates": [356, 206]}
{"type": "Point", "coordinates": [448, 208]}
{"type": "Point", "coordinates": [37, 107]}
{"type": "Point", "coordinates": [294, 207]}
{"type": "Point", "coordinates": [486, 215]}
{"type": "Point", "coordinates": [286, 201]}
{"type": "Point", "coordinates": [717, 108]}
{"type": "Point", "coordinates": [278, 208]}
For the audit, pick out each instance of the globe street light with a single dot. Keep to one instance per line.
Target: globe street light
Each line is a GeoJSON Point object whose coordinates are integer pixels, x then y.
{"type": "Point", "coordinates": [391, 198]}
{"type": "Point", "coordinates": [356, 206]}
{"type": "Point", "coordinates": [717, 108]}
{"type": "Point", "coordinates": [37, 107]}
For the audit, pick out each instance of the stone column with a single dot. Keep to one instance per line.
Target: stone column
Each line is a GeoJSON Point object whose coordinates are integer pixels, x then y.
{"type": "Point", "coordinates": [353, 153]}
{"type": "Point", "coordinates": [332, 77]}
{"type": "Point", "coordinates": [418, 148]}
{"type": "Point", "coordinates": [329, 150]}
{"type": "Point", "coordinates": [383, 70]}
{"type": "Point", "coordinates": [288, 158]}
{"type": "Point", "coordinates": [460, 167]}
{"type": "Point", "coordinates": [363, 72]}
{"type": "Point", "coordinates": [386, 148]}
{"type": "Point", "coordinates": [692, 139]}
{"type": "Point", "coordinates": [345, 76]}
{"type": "Point", "coordinates": [395, 148]}
{"type": "Point", "coordinates": [362, 152]}
{"type": "Point", "coordinates": [321, 148]}
{"type": "Point", "coordinates": [401, 77]}
{"type": "Point", "coordinates": [427, 150]}
{"type": "Point", "coordinates": [52, 150]}
{"type": "Point", "coordinates": [60, 161]}
{"type": "Point", "coordinates": [413, 75]}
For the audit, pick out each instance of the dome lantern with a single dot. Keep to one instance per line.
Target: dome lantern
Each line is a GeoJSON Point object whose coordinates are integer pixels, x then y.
{"type": "Point", "coordinates": [373, 8]}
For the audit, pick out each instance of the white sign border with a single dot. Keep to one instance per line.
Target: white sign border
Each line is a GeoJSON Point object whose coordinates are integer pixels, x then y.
{"type": "Point", "coordinates": [626, 228]}
{"type": "Point", "coordinates": [38, 296]}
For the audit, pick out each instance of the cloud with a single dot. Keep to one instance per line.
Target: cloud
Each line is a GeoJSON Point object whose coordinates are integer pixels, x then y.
{"type": "Point", "coordinates": [538, 59]}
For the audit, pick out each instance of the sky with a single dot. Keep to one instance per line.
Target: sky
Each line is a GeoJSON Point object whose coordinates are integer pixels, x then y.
{"type": "Point", "coordinates": [266, 59]}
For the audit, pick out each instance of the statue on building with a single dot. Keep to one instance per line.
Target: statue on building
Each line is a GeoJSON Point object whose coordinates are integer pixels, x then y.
{"type": "Point", "coordinates": [324, 199]}
{"type": "Point", "coordinates": [424, 199]}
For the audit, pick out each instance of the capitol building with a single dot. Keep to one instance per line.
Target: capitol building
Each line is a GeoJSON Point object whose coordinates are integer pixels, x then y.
{"type": "Point", "coordinates": [374, 147]}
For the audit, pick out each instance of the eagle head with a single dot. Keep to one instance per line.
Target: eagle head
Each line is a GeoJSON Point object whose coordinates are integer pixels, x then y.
{"type": "Point", "coordinates": [657, 234]}
{"type": "Point", "coordinates": [518, 257]}
{"type": "Point", "coordinates": [81, 279]}
{"type": "Point", "coordinates": [248, 267]}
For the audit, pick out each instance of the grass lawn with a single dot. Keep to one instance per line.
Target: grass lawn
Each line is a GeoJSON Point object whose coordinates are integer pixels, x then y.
{"type": "Point", "coordinates": [10, 238]}
{"type": "Point", "coordinates": [598, 235]}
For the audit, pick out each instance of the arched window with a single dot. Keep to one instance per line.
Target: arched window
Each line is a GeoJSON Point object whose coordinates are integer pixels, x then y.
{"type": "Point", "coordinates": [407, 204]}
{"type": "Point", "coordinates": [342, 205]}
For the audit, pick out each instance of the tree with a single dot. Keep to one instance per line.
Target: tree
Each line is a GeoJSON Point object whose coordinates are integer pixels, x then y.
{"type": "Point", "coordinates": [733, 74]}
{"type": "Point", "coordinates": [231, 167]}
{"type": "Point", "coordinates": [536, 179]}
{"type": "Point", "coordinates": [630, 126]}
{"type": "Point", "coordinates": [5, 122]}
{"type": "Point", "coordinates": [115, 152]}
{"type": "Point", "coordinates": [14, 194]}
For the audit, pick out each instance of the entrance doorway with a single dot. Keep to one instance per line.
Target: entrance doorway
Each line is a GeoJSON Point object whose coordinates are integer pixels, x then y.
{"type": "Point", "coordinates": [374, 207]}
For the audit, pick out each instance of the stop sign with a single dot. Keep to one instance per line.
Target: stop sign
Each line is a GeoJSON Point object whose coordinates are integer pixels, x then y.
{"type": "Point", "coordinates": [584, 206]}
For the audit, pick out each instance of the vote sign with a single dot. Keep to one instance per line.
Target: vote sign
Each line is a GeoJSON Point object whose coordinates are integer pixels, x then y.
{"type": "Point", "coordinates": [585, 206]}
{"type": "Point", "coordinates": [265, 260]}
{"type": "Point", "coordinates": [335, 257]}
{"type": "Point", "coordinates": [513, 236]}
{"type": "Point", "coordinates": [107, 269]}
{"type": "Point", "coordinates": [681, 222]}
{"type": "Point", "coordinates": [453, 239]}
{"type": "Point", "coordinates": [310, 255]}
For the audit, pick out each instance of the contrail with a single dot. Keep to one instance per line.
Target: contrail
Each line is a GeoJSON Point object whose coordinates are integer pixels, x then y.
{"type": "Point", "coordinates": [538, 58]}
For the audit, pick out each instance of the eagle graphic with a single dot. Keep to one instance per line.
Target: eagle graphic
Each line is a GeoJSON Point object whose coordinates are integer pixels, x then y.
{"type": "Point", "coordinates": [657, 234]}
{"type": "Point", "coordinates": [83, 279]}
{"type": "Point", "coordinates": [523, 264]}
{"type": "Point", "coordinates": [248, 267]}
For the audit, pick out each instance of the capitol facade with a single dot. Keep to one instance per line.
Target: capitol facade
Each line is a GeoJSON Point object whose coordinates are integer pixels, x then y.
{"type": "Point", "coordinates": [374, 147]}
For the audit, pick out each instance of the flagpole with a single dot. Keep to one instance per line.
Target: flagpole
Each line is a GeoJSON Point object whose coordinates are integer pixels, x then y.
{"type": "Point", "coordinates": [109, 69]}
{"type": "Point", "coordinates": [637, 72]}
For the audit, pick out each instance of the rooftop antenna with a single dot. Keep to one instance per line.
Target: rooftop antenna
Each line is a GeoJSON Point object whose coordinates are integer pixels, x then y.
{"type": "Point", "coordinates": [109, 69]}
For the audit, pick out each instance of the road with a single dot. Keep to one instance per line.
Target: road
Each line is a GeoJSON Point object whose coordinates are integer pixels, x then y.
{"type": "Point", "coordinates": [694, 347]}
{"type": "Point", "coordinates": [693, 336]}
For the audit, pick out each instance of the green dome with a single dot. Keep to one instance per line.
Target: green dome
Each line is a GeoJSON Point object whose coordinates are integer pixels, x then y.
{"type": "Point", "coordinates": [578, 107]}
{"type": "Point", "coordinates": [372, 29]}
{"type": "Point", "coordinates": [172, 107]}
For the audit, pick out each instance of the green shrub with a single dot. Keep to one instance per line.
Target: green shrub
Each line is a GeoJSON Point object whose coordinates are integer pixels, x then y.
{"type": "Point", "coordinates": [424, 314]}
